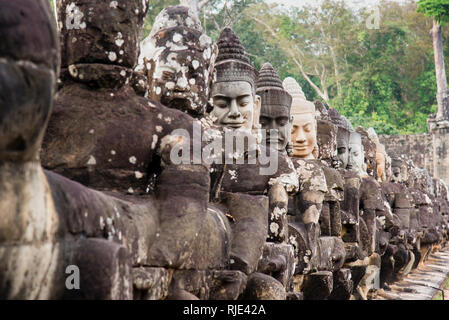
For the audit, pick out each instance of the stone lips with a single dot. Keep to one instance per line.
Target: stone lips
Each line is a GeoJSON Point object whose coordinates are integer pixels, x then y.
{"type": "Point", "coordinates": [269, 88]}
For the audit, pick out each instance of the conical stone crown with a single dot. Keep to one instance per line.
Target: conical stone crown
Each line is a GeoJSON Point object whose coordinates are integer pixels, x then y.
{"type": "Point", "coordinates": [270, 89]}
{"type": "Point", "coordinates": [232, 63]}
{"type": "Point", "coordinates": [300, 105]}
{"type": "Point", "coordinates": [230, 47]}
{"type": "Point", "coordinates": [268, 78]}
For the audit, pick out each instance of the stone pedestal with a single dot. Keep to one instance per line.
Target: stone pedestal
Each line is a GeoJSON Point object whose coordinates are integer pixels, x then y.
{"type": "Point", "coordinates": [439, 129]}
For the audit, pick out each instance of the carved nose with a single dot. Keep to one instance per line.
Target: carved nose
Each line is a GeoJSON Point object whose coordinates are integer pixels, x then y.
{"type": "Point", "coordinates": [301, 137]}
{"type": "Point", "coordinates": [234, 113]}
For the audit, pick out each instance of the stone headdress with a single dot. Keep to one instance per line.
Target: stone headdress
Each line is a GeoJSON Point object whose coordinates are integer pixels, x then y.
{"type": "Point", "coordinates": [270, 89]}
{"type": "Point", "coordinates": [300, 105]}
{"type": "Point", "coordinates": [232, 63]}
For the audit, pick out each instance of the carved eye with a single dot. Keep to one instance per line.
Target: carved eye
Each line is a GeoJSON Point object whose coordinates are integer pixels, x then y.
{"type": "Point", "coordinates": [282, 121]}
{"type": "Point", "coordinates": [244, 103]}
{"type": "Point", "coordinates": [341, 150]}
{"type": "Point", "coordinates": [263, 121]}
{"type": "Point", "coordinates": [308, 128]}
{"type": "Point", "coordinates": [220, 104]}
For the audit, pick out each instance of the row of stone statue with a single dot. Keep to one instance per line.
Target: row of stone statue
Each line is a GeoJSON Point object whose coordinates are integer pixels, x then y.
{"type": "Point", "coordinates": [334, 218]}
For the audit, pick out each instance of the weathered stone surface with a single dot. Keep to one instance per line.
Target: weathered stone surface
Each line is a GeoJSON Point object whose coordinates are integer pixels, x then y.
{"type": "Point", "coordinates": [249, 230]}
{"type": "Point", "coordinates": [342, 286]}
{"type": "Point", "coordinates": [263, 287]}
{"type": "Point", "coordinates": [178, 58]}
{"type": "Point", "coordinates": [110, 277]}
{"type": "Point", "coordinates": [88, 36]}
{"type": "Point", "coordinates": [332, 253]}
{"type": "Point", "coordinates": [278, 262]}
{"type": "Point", "coordinates": [207, 284]}
{"type": "Point", "coordinates": [327, 141]}
{"type": "Point", "coordinates": [318, 285]}
{"type": "Point", "coordinates": [151, 283]}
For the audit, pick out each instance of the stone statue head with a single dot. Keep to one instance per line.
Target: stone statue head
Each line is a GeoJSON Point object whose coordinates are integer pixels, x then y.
{"type": "Point", "coordinates": [397, 165]}
{"type": "Point", "coordinates": [381, 155]}
{"type": "Point", "coordinates": [326, 140]}
{"type": "Point", "coordinates": [275, 108]}
{"type": "Point", "coordinates": [304, 124]}
{"type": "Point", "coordinates": [112, 39]}
{"type": "Point", "coordinates": [29, 65]}
{"type": "Point", "coordinates": [339, 119]}
{"type": "Point", "coordinates": [233, 92]}
{"type": "Point", "coordinates": [369, 148]}
{"type": "Point", "coordinates": [381, 161]}
{"type": "Point", "coordinates": [356, 159]}
{"type": "Point", "coordinates": [343, 135]}
{"type": "Point", "coordinates": [178, 58]}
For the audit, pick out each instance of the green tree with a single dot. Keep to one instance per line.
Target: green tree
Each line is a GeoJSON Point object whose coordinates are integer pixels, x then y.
{"type": "Point", "coordinates": [439, 11]}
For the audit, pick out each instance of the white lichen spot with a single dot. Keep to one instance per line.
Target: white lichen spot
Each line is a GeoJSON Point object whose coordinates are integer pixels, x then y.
{"type": "Point", "coordinates": [74, 17]}
{"type": "Point", "coordinates": [154, 143]}
{"type": "Point", "coordinates": [177, 37]}
{"type": "Point", "coordinates": [170, 85]}
{"type": "Point", "coordinates": [113, 152]}
{"type": "Point", "coordinates": [138, 174]}
{"type": "Point", "coordinates": [158, 129]}
{"type": "Point", "coordinates": [113, 4]}
{"type": "Point", "coordinates": [119, 39]}
{"type": "Point", "coordinates": [195, 64]}
{"type": "Point", "coordinates": [123, 73]}
{"type": "Point", "coordinates": [121, 52]}
{"type": "Point", "coordinates": [132, 160]}
{"type": "Point", "coordinates": [112, 56]}
{"type": "Point", "coordinates": [168, 120]}
{"type": "Point", "coordinates": [130, 190]}
{"type": "Point", "coordinates": [192, 82]}
{"type": "Point", "coordinates": [102, 224]}
{"type": "Point", "coordinates": [233, 174]}
{"type": "Point", "coordinates": [205, 40]}
{"type": "Point", "coordinates": [158, 90]}
{"type": "Point", "coordinates": [91, 131]}
{"type": "Point", "coordinates": [73, 71]}
{"type": "Point", "coordinates": [274, 228]}
{"type": "Point", "coordinates": [91, 161]}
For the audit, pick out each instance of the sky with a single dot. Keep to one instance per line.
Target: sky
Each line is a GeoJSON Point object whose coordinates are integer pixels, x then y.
{"type": "Point", "coordinates": [353, 3]}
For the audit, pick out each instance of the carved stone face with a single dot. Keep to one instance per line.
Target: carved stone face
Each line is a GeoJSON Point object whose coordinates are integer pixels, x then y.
{"type": "Point", "coordinates": [343, 155]}
{"type": "Point", "coordinates": [180, 79]}
{"type": "Point", "coordinates": [356, 158]}
{"type": "Point", "coordinates": [304, 135]}
{"type": "Point", "coordinates": [327, 140]}
{"type": "Point", "coordinates": [278, 119]}
{"type": "Point", "coordinates": [234, 104]}
{"type": "Point", "coordinates": [397, 176]}
{"type": "Point", "coordinates": [343, 146]}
